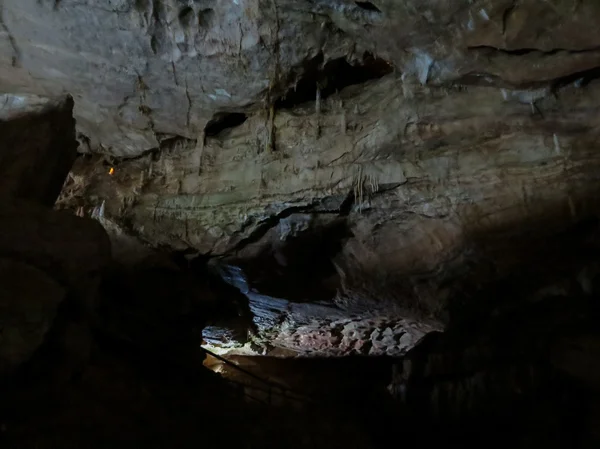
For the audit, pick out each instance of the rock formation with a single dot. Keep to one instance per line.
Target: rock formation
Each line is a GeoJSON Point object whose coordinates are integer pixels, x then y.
{"type": "Point", "coordinates": [47, 257]}
{"type": "Point", "coordinates": [391, 162]}
{"type": "Point", "coordinates": [140, 69]}
{"type": "Point", "coordinates": [406, 178]}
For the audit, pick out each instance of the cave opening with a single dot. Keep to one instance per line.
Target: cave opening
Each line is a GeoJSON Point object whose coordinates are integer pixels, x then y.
{"type": "Point", "coordinates": [331, 77]}
{"type": "Point", "coordinates": [300, 268]}
{"type": "Point", "coordinates": [368, 6]}
{"type": "Point", "coordinates": [224, 121]}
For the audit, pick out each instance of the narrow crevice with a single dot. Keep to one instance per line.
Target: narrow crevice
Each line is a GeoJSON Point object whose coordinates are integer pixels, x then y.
{"type": "Point", "coordinates": [111, 161]}
{"type": "Point", "coordinates": [154, 45]}
{"type": "Point", "coordinates": [16, 56]}
{"type": "Point", "coordinates": [368, 6]}
{"type": "Point", "coordinates": [530, 51]}
{"type": "Point", "coordinates": [224, 121]}
{"type": "Point", "coordinates": [330, 77]}
{"type": "Point", "coordinates": [157, 11]}
{"type": "Point", "coordinates": [483, 79]}
{"type": "Point", "coordinates": [316, 208]}
{"type": "Point", "coordinates": [85, 145]}
{"type": "Point", "coordinates": [347, 204]}
{"type": "Point", "coordinates": [506, 16]}
{"type": "Point", "coordinates": [580, 79]}
{"type": "Point", "coordinates": [264, 226]}
{"type": "Point", "coordinates": [517, 52]}
{"type": "Point", "coordinates": [140, 5]}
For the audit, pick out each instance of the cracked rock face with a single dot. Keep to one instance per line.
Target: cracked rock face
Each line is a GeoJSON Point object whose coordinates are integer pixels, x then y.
{"type": "Point", "coordinates": [142, 69]}
{"type": "Point", "coordinates": [361, 167]}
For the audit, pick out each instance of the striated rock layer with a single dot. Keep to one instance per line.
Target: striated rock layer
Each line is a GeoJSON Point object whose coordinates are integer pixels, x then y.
{"type": "Point", "coordinates": [141, 69]}
{"type": "Point", "coordinates": [398, 197]}
{"type": "Point", "coordinates": [364, 166]}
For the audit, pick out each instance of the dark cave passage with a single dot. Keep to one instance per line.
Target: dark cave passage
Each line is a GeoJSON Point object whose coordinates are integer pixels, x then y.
{"type": "Point", "coordinates": [331, 77]}
{"type": "Point", "coordinates": [222, 122]}
{"type": "Point", "coordinates": [299, 268]}
{"type": "Point", "coordinates": [506, 375]}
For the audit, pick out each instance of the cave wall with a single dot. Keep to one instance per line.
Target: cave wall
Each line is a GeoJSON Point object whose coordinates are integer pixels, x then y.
{"type": "Point", "coordinates": [444, 142]}
{"type": "Point", "coordinates": [453, 190]}
{"type": "Point", "coordinates": [141, 69]}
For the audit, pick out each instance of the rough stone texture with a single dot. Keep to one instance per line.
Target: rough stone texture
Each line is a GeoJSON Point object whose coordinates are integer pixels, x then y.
{"type": "Point", "coordinates": [46, 256]}
{"type": "Point", "coordinates": [37, 148]}
{"type": "Point", "coordinates": [428, 147]}
{"type": "Point", "coordinates": [443, 155]}
{"type": "Point", "coordinates": [28, 302]}
{"type": "Point", "coordinates": [141, 69]}
{"type": "Point", "coordinates": [138, 68]}
{"type": "Point", "coordinates": [446, 193]}
{"type": "Point", "coordinates": [322, 328]}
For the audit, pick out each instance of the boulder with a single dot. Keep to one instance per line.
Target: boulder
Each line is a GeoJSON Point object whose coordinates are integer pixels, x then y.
{"type": "Point", "coordinates": [37, 151]}
{"type": "Point", "coordinates": [71, 250]}
{"type": "Point", "coordinates": [29, 299]}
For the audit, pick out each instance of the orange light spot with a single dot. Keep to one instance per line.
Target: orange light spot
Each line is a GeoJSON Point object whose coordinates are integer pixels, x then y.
{"type": "Point", "coordinates": [111, 171]}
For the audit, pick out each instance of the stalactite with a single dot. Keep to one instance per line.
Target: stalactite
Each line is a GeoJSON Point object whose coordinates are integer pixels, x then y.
{"type": "Point", "coordinates": [318, 110]}
{"type": "Point", "coordinates": [343, 125]}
